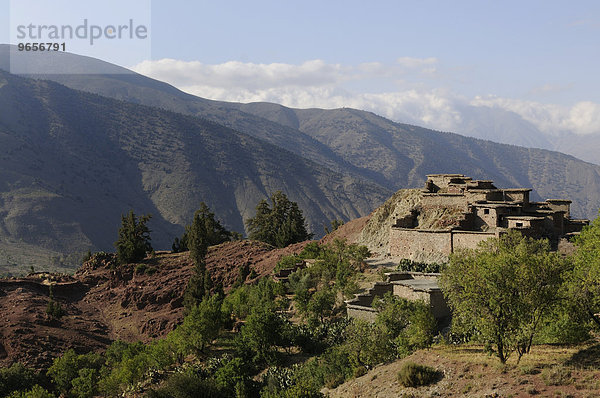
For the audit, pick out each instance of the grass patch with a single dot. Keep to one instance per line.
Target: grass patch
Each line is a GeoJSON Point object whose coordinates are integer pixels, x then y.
{"type": "Point", "coordinates": [415, 375]}
{"type": "Point", "coordinates": [529, 370]}
{"type": "Point", "coordinates": [556, 376]}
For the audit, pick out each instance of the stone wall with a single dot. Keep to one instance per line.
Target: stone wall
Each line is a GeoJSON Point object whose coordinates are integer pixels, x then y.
{"type": "Point", "coordinates": [420, 245]}
{"type": "Point", "coordinates": [361, 312]}
{"type": "Point", "coordinates": [433, 297]}
{"type": "Point", "coordinates": [410, 294]}
{"type": "Point", "coordinates": [430, 245]}
{"type": "Point", "coordinates": [469, 239]}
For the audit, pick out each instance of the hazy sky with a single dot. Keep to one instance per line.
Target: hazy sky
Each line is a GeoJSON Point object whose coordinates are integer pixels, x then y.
{"type": "Point", "coordinates": [423, 60]}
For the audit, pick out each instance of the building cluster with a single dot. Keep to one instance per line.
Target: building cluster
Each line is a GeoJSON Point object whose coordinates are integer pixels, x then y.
{"type": "Point", "coordinates": [480, 211]}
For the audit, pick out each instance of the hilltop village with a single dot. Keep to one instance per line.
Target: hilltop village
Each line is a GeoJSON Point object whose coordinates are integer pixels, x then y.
{"type": "Point", "coordinates": [479, 210]}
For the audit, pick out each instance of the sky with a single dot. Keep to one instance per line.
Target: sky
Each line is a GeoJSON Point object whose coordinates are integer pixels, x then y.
{"type": "Point", "coordinates": [425, 62]}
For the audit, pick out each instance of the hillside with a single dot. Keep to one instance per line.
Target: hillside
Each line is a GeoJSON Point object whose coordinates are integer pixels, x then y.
{"type": "Point", "coordinates": [353, 142]}
{"type": "Point", "coordinates": [467, 371]}
{"type": "Point", "coordinates": [399, 155]}
{"type": "Point", "coordinates": [73, 162]}
{"type": "Point", "coordinates": [104, 302]}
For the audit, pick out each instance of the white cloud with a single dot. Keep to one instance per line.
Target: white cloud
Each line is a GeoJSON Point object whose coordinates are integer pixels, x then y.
{"type": "Point", "coordinates": [406, 91]}
{"type": "Point", "coordinates": [235, 74]}
{"type": "Point", "coordinates": [413, 63]}
{"type": "Point", "coordinates": [581, 118]}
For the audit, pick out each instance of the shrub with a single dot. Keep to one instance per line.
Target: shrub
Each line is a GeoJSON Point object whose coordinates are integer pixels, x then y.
{"type": "Point", "coordinates": [53, 310]}
{"type": "Point", "coordinates": [181, 385]}
{"type": "Point", "coordinates": [140, 268]}
{"type": "Point", "coordinates": [70, 367]}
{"type": "Point", "coordinates": [415, 375]}
{"type": "Point", "coordinates": [16, 377]}
{"type": "Point", "coordinates": [35, 392]}
{"type": "Point", "coordinates": [556, 376]}
{"type": "Point", "coordinates": [416, 266]}
{"type": "Point", "coordinates": [287, 262]}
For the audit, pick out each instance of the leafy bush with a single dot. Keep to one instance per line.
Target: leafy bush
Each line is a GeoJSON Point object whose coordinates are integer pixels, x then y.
{"type": "Point", "coordinates": [68, 368]}
{"type": "Point", "coordinates": [407, 265]}
{"type": "Point", "coordinates": [102, 258]}
{"type": "Point", "coordinates": [556, 376]}
{"type": "Point", "coordinates": [85, 385]}
{"type": "Point", "coordinates": [140, 268]}
{"type": "Point", "coordinates": [183, 385]}
{"type": "Point", "coordinates": [16, 378]}
{"type": "Point", "coordinates": [200, 327]}
{"type": "Point", "coordinates": [287, 262]}
{"type": "Point", "coordinates": [408, 324]}
{"type": "Point", "coordinates": [312, 250]}
{"type": "Point", "coordinates": [263, 331]}
{"type": "Point", "coordinates": [415, 375]}
{"type": "Point", "coordinates": [35, 392]}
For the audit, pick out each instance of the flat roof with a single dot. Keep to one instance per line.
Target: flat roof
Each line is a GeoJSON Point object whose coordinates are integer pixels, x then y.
{"type": "Point", "coordinates": [516, 189]}
{"type": "Point", "coordinates": [495, 204]}
{"type": "Point", "coordinates": [418, 284]}
{"type": "Point", "coordinates": [526, 218]}
{"type": "Point", "coordinates": [558, 201]}
{"type": "Point", "coordinates": [446, 175]}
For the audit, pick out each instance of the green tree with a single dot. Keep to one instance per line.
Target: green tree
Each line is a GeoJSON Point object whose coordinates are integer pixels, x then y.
{"type": "Point", "coordinates": [35, 392]}
{"type": "Point", "coordinates": [134, 238]}
{"type": "Point", "coordinates": [54, 309]}
{"type": "Point", "coordinates": [16, 378]}
{"type": "Point", "coordinates": [85, 385]}
{"type": "Point", "coordinates": [409, 324]}
{"type": "Point", "coordinates": [204, 231]}
{"type": "Point", "coordinates": [584, 280]}
{"type": "Point", "coordinates": [279, 224]}
{"type": "Point", "coordinates": [503, 289]}
{"type": "Point", "coordinates": [200, 327]}
{"type": "Point", "coordinates": [262, 332]}
{"type": "Point", "coordinates": [321, 305]}
{"type": "Point", "coordinates": [75, 371]}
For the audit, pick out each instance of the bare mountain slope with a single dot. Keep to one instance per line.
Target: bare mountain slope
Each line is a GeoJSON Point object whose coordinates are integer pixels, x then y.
{"type": "Point", "coordinates": [359, 143]}
{"type": "Point", "coordinates": [73, 162]}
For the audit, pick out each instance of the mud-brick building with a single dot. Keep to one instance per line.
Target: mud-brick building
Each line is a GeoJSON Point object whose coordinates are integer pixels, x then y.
{"type": "Point", "coordinates": [472, 211]}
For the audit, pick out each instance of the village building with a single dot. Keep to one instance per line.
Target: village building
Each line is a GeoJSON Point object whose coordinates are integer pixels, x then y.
{"type": "Point", "coordinates": [479, 211]}
{"type": "Point", "coordinates": [468, 211]}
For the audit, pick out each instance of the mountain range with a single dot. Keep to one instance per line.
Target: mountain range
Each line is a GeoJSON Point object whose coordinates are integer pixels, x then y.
{"type": "Point", "coordinates": [80, 153]}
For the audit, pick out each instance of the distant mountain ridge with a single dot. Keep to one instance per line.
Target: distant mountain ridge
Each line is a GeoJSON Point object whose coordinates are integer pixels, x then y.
{"type": "Point", "coordinates": [72, 162]}
{"type": "Point", "coordinates": [357, 154]}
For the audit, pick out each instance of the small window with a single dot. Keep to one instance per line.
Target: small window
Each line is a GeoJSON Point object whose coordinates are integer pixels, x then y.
{"type": "Point", "coordinates": [519, 224]}
{"type": "Point", "coordinates": [486, 211]}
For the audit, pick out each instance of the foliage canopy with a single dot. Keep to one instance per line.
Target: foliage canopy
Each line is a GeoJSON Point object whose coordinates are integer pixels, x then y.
{"type": "Point", "coordinates": [500, 291]}
{"type": "Point", "coordinates": [279, 224]}
{"type": "Point", "coordinates": [134, 238]}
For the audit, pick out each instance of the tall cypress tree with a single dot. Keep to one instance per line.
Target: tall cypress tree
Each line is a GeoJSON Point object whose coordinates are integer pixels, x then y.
{"type": "Point", "coordinates": [279, 224]}
{"type": "Point", "coordinates": [134, 238]}
{"type": "Point", "coordinates": [205, 231]}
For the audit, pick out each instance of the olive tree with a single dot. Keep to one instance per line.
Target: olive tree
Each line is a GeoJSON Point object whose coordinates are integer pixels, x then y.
{"type": "Point", "coordinates": [503, 289]}
{"type": "Point", "coordinates": [584, 281]}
